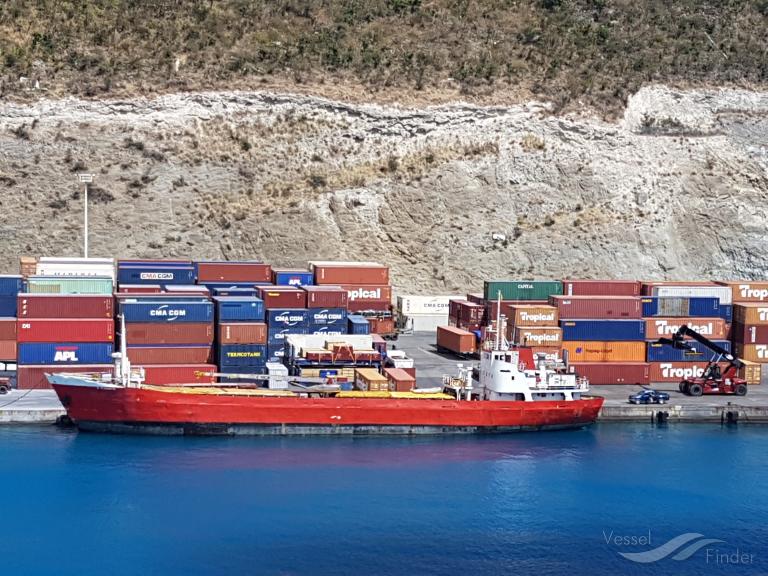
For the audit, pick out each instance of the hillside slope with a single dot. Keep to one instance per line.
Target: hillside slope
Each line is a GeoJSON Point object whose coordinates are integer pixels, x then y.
{"type": "Point", "coordinates": [447, 195]}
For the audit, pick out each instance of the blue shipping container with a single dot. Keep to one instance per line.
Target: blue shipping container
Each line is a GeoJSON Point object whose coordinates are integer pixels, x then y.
{"type": "Point", "coordinates": [325, 330]}
{"type": "Point", "coordinates": [293, 278]}
{"type": "Point", "coordinates": [726, 312]}
{"type": "Point", "coordinates": [167, 311]}
{"type": "Point", "coordinates": [276, 351]}
{"type": "Point", "coordinates": [358, 325]}
{"type": "Point", "coordinates": [242, 355]}
{"type": "Point", "coordinates": [603, 330]}
{"type": "Point", "coordinates": [155, 274]}
{"type": "Point", "coordinates": [261, 369]}
{"type": "Point", "coordinates": [248, 291]}
{"type": "Point", "coordinates": [10, 285]}
{"type": "Point", "coordinates": [8, 306]}
{"type": "Point", "coordinates": [278, 335]}
{"type": "Point", "coordinates": [287, 318]}
{"type": "Point", "coordinates": [663, 353]}
{"type": "Point", "coordinates": [681, 306]}
{"type": "Point", "coordinates": [239, 309]}
{"type": "Point", "coordinates": [336, 317]}
{"type": "Point", "coordinates": [65, 353]}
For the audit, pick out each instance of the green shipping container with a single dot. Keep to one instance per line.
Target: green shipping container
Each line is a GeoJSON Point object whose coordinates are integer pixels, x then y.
{"type": "Point", "coordinates": [69, 285]}
{"type": "Point", "coordinates": [522, 289]}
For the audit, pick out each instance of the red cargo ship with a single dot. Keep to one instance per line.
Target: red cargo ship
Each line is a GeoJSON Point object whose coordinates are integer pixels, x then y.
{"type": "Point", "coordinates": [509, 391]}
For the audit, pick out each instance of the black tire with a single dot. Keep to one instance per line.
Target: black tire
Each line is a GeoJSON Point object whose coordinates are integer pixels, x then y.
{"type": "Point", "coordinates": [695, 389]}
{"type": "Point", "coordinates": [681, 387]}
{"type": "Point", "coordinates": [4, 389]}
{"type": "Point", "coordinates": [740, 389]}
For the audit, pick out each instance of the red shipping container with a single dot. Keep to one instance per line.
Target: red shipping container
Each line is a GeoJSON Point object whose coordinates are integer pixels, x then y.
{"type": "Point", "coordinates": [362, 274]}
{"type": "Point", "coordinates": [749, 333]}
{"type": "Point", "coordinates": [399, 380]}
{"type": "Point", "coordinates": [140, 289]}
{"type": "Point", "coordinates": [455, 340]}
{"type": "Point", "coordinates": [65, 330]}
{"type": "Point", "coordinates": [613, 373]}
{"type": "Point", "coordinates": [411, 371]}
{"type": "Point", "coordinates": [602, 307]}
{"type": "Point", "coordinates": [141, 355]}
{"type": "Point", "coordinates": [120, 297]}
{"type": "Point", "coordinates": [601, 287]}
{"type": "Point", "coordinates": [283, 297]}
{"type": "Point", "coordinates": [169, 333]}
{"type": "Point", "coordinates": [470, 326]}
{"type": "Point", "coordinates": [382, 325]}
{"type": "Point", "coordinates": [8, 350]}
{"type": "Point", "coordinates": [233, 272]}
{"type": "Point", "coordinates": [368, 293]}
{"type": "Point", "coordinates": [370, 305]}
{"type": "Point", "coordinates": [33, 377]}
{"type": "Point", "coordinates": [242, 333]}
{"type": "Point", "coordinates": [712, 328]}
{"type": "Point", "coordinates": [470, 312]}
{"type": "Point", "coordinates": [169, 374]}
{"type": "Point", "coordinates": [477, 298]}
{"type": "Point", "coordinates": [663, 372]}
{"type": "Point", "coordinates": [326, 296]}
{"type": "Point", "coordinates": [8, 329]}
{"type": "Point", "coordinates": [65, 306]}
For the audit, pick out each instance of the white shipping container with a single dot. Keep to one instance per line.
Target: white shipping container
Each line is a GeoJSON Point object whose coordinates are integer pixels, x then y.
{"type": "Point", "coordinates": [724, 293]}
{"type": "Point", "coordinates": [48, 266]}
{"type": "Point", "coordinates": [278, 375]}
{"type": "Point", "coordinates": [423, 322]}
{"type": "Point", "coordinates": [413, 305]}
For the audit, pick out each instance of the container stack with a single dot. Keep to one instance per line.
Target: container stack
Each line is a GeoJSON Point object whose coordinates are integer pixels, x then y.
{"type": "Point", "coordinates": [286, 313]}
{"type": "Point", "coordinates": [368, 288]}
{"type": "Point", "coordinates": [10, 286]}
{"type": "Point", "coordinates": [749, 331]}
{"type": "Point", "coordinates": [327, 311]}
{"type": "Point", "coordinates": [242, 335]}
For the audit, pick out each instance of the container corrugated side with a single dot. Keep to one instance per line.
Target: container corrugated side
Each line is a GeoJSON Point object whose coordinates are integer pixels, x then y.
{"type": "Point", "coordinates": [748, 313]}
{"type": "Point", "coordinates": [326, 296]}
{"type": "Point", "coordinates": [749, 334]}
{"type": "Point", "coordinates": [242, 354]}
{"type": "Point", "coordinates": [283, 297]}
{"type": "Point", "coordinates": [597, 307]}
{"type": "Point", "coordinates": [601, 287]}
{"type": "Point", "coordinates": [170, 354]}
{"type": "Point", "coordinates": [456, 340]}
{"type": "Point", "coordinates": [166, 311]}
{"type": "Point", "coordinates": [287, 277]}
{"type": "Point", "coordinates": [411, 305]}
{"type": "Point", "coordinates": [140, 289]}
{"type": "Point", "coordinates": [592, 351]}
{"type": "Point", "coordinates": [233, 272]}
{"type": "Point", "coordinates": [357, 324]}
{"type": "Point", "coordinates": [723, 293]}
{"type": "Point", "coordinates": [65, 353]}
{"type": "Point", "coordinates": [748, 291]}
{"type": "Point", "coordinates": [681, 306]}
{"type": "Point", "coordinates": [65, 330]}
{"type": "Point", "coordinates": [320, 317]}
{"type": "Point", "coordinates": [239, 308]}
{"type": "Point", "coordinates": [242, 333]}
{"type": "Point", "coordinates": [155, 274]}
{"type": "Point", "coordinates": [532, 315]}
{"type": "Point", "coordinates": [33, 377]}
{"type": "Point", "coordinates": [11, 284]}
{"type": "Point", "coordinates": [664, 353]}
{"type": "Point", "coordinates": [522, 289]}
{"type": "Point", "coordinates": [536, 335]}
{"type": "Point", "coordinates": [8, 351]}
{"type": "Point", "coordinates": [603, 330]}
{"type": "Point", "coordinates": [7, 328]}
{"type": "Point", "coordinates": [287, 318]}
{"type": "Point", "coordinates": [666, 372]}
{"type": "Point", "coordinates": [169, 374]}
{"type": "Point", "coordinates": [65, 306]}
{"type": "Point", "coordinates": [169, 333]}
{"type": "Point", "coordinates": [601, 373]}
{"type": "Point", "coordinates": [752, 352]}
{"type": "Point", "coordinates": [712, 328]}
{"type": "Point", "coordinates": [67, 285]}
{"type": "Point", "coordinates": [362, 273]}
{"type": "Point", "coordinates": [8, 306]}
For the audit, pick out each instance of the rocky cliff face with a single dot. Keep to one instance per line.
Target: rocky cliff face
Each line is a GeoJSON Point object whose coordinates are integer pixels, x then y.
{"type": "Point", "coordinates": [446, 195]}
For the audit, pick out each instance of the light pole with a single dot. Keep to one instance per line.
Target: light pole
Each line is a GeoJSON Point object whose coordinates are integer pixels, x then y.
{"type": "Point", "coordinates": [85, 179]}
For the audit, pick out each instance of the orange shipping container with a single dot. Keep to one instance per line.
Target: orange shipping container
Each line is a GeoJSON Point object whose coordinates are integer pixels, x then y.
{"type": "Point", "coordinates": [533, 316]}
{"type": "Point", "coordinates": [536, 336]}
{"type": "Point", "coordinates": [400, 380]}
{"type": "Point", "coordinates": [677, 371]}
{"type": "Point", "coordinates": [748, 291]}
{"type": "Point", "coordinates": [752, 352]}
{"type": "Point", "coordinates": [751, 313]}
{"type": "Point", "coordinates": [455, 339]}
{"type": "Point", "coordinates": [605, 351]}
{"type": "Point", "coordinates": [369, 379]}
{"type": "Point", "coordinates": [7, 350]}
{"type": "Point", "coordinates": [753, 372]}
{"type": "Point", "coordinates": [712, 328]}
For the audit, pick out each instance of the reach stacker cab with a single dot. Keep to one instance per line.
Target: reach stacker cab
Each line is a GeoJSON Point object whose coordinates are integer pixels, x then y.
{"type": "Point", "coordinates": [713, 380]}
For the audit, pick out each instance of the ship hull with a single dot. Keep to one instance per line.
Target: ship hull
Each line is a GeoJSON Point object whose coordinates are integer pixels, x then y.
{"type": "Point", "coordinates": [139, 410]}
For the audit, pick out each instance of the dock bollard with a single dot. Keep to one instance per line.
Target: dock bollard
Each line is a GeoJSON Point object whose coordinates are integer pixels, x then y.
{"type": "Point", "coordinates": [662, 417]}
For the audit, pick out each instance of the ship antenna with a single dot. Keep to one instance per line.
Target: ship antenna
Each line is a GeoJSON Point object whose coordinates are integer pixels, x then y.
{"type": "Point", "coordinates": [498, 320]}
{"type": "Point", "coordinates": [125, 364]}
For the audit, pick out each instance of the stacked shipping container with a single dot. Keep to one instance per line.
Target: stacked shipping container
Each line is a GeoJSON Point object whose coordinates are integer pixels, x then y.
{"type": "Point", "coordinates": [750, 328]}
{"type": "Point", "coordinates": [10, 286]}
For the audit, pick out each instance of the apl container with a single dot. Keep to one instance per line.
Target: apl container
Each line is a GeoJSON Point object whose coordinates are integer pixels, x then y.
{"type": "Point", "coordinates": [522, 289]}
{"type": "Point", "coordinates": [597, 307]}
{"type": "Point", "coordinates": [242, 355]}
{"type": "Point", "coordinates": [242, 333]}
{"type": "Point", "coordinates": [10, 285]}
{"type": "Point", "coordinates": [287, 318]}
{"type": "Point", "coordinates": [65, 353]}
{"type": "Point", "coordinates": [239, 309]}
{"type": "Point", "coordinates": [170, 354]}
{"type": "Point", "coordinates": [169, 333]}
{"type": "Point", "coordinates": [603, 330]}
{"type": "Point", "coordinates": [326, 296]}
{"type": "Point", "coordinates": [613, 372]}
{"type": "Point", "coordinates": [287, 277]}
{"type": "Point", "coordinates": [712, 328]}
{"type": "Point", "coordinates": [32, 377]}
{"type": "Point", "coordinates": [681, 306]}
{"type": "Point", "coordinates": [357, 324]}
{"type": "Point", "coordinates": [601, 287]}
{"type": "Point", "coordinates": [155, 274]}
{"type": "Point", "coordinates": [65, 306]}
{"type": "Point", "coordinates": [664, 353]}
{"type": "Point", "coordinates": [233, 272]}
{"type": "Point", "coordinates": [166, 311]}
{"type": "Point", "coordinates": [65, 330]}
{"type": "Point", "coordinates": [322, 317]}
{"type": "Point", "coordinates": [69, 285]}
{"type": "Point", "coordinates": [283, 297]}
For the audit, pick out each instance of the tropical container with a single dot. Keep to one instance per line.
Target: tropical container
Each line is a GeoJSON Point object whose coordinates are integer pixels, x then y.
{"type": "Point", "coordinates": [597, 307]}
{"type": "Point", "coordinates": [242, 333]}
{"type": "Point", "coordinates": [288, 277]}
{"type": "Point", "coordinates": [712, 328]}
{"type": "Point", "coordinates": [592, 351]}
{"type": "Point", "coordinates": [159, 311]}
{"type": "Point", "coordinates": [665, 353]}
{"type": "Point", "coordinates": [65, 330]}
{"type": "Point", "coordinates": [536, 335]}
{"type": "Point", "coordinates": [681, 306]}
{"type": "Point", "coordinates": [749, 334]}
{"type": "Point", "coordinates": [368, 293]}
{"type": "Point", "coordinates": [169, 333]}
{"type": "Point", "coordinates": [522, 289]}
{"type": "Point", "coordinates": [754, 314]}
{"type": "Point", "coordinates": [65, 306]}
{"type": "Point", "coordinates": [603, 330]}
{"type": "Point", "coordinates": [600, 373]}
{"type": "Point", "coordinates": [32, 377]}
{"type": "Point", "coordinates": [748, 291]}
{"type": "Point", "coordinates": [357, 324]}
{"type": "Point", "coordinates": [239, 309]}
{"type": "Point", "coordinates": [752, 352]}
{"type": "Point", "coordinates": [69, 285]}
{"type": "Point", "coordinates": [170, 354]}
{"type": "Point", "coordinates": [601, 287]}
{"type": "Point", "coordinates": [542, 315]}
{"type": "Point", "coordinates": [664, 372]}
{"type": "Point", "coordinates": [233, 272]}
{"type": "Point", "coordinates": [242, 354]}
{"type": "Point", "coordinates": [456, 340]}
{"type": "Point", "coordinates": [169, 374]}
{"type": "Point", "coordinates": [65, 353]}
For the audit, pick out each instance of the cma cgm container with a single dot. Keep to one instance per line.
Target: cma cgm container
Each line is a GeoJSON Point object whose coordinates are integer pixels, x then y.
{"type": "Point", "coordinates": [166, 311]}
{"type": "Point", "coordinates": [326, 330]}
{"type": "Point", "coordinates": [752, 352]}
{"type": "Point", "coordinates": [456, 340]}
{"type": "Point", "coordinates": [287, 277]}
{"type": "Point", "coordinates": [277, 336]}
{"type": "Point", "coordinates": [712, 328]}
{"type": "Point", "coordinates": [664, 353]}
{"type": "Point", "coordinates": [603, 330]}
{"type": "Point", "coordinates": [357, 273]}
{"type": "Point", "coordinates": [68, 285]}
{"type": "Point", "coordinates": [613, 372]}
{"type": "Point", "coordinates": [242, 355]}
{"type": "Point", "coordinates": [601, 287]}
{"type": "Point", "coordinates": [326, 296]}
{"type": "Point", "coordinates": [65, 353]}
{"type": "Point", "coordinates": [357, 324]}
{"type": "Point", "coordinates": [65, 330]}
{"type": "Point", "coordinates": [283, 297]}
{"type": "Point", "coordinates": [426, 305]}
{"type": "Point", "coordinates": [700, 289]}
{"type": "Point", "coordinates": [756, 314]}
{"type": "Point", "coordinates": [320, 317]}
{"type": "Point", "coordinates": [663, 372]}
{"type": "Point", "coordinates": [242, 333]}
{"type": "Point", "coordinates": [154, 273]}
{"type": "Point", "coordinates": [681, 306]}
{"type": "Point", "coordinates": [32, 377]}
{"type": "Point", "coordinates": [594, 307]}
{"type": "Point", "coordinates": [586, 351]}
{"type": "Point", "coordinates": [169, 332]}
{"type": "Point", "coordinates": [233, 272]}
{"type": "Point", "coordinates": [746, 334]}
{"type": "Point", "coordinates": [748, 291]}
{"type": "Point", "coordinates": [67, 306]}
{"type": "Point", "coordinates": [170, 354]}
{"type": "Point", "coordinates": [291, 318]}
{"type": "Point", "coordinates": [522, 289]}
{"type": "Point", "coordinates": [536, 335]}
{"type": "Point", "coordinates": [239, 309]}
{"type": "Point", "coordinates": [169, 374]}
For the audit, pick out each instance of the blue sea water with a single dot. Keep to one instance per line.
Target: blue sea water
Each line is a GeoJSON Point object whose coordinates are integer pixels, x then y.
{"type": "Point", "coordinates": [540, 504]}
